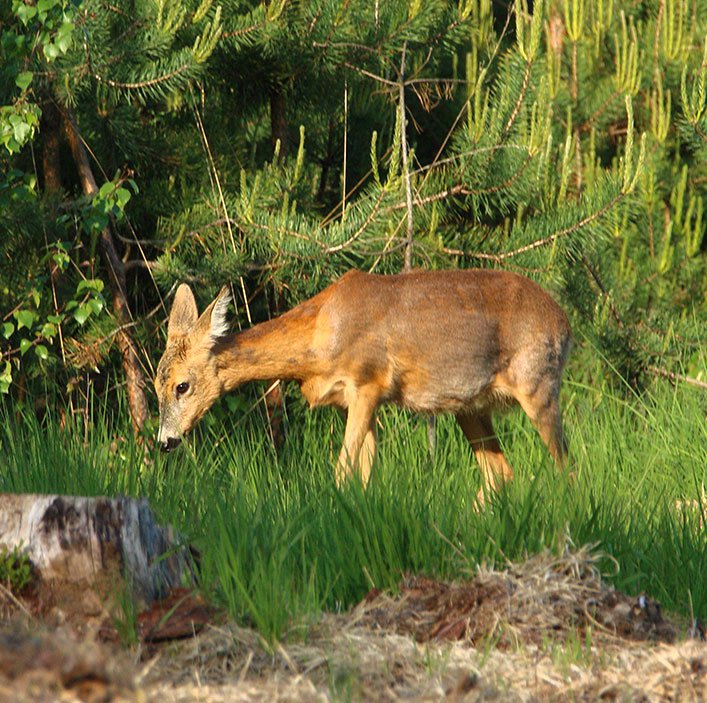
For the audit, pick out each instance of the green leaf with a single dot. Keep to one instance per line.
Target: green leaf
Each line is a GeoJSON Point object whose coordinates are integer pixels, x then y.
{"type": "Point", "coordinates": [61, 259]}
{"type": "Point", "coordinates": [7, 329]}
{"type": "Point", "coordinates": [25, 13]}
{"type": "Point", "coordinates": [21, 132]}
{"type": "Point", "coordinates": [106, 189]}
{"type": "Point", "coordinates": [25, 318]}
{"type": "Point", "coordinates": [64, 36]}
{"type": "Point", "coordinates": [48, 330]}
{"type": "Point", "coordinates": [95, 222]}
{"type": "Point", "coordinates": [25, 344]}
{"type": "Point", "coordinates": [51, 51]}
{"type": "Point", "coordinates": [95, 284]}
{"type": "Point", "coordinates": [45, 5]}
{"type": "Point", "coordinates": [95, 305]}
{"type": "Point", "coordinates": [81, 314]}
{"type": "Point", "coordinates": [10, 144]}
{"type": "Point", "coordinates": [42, 352]}
{"type": "Point", "coordinates": [122, 196]}
{"type": "Point", "coordinates": [6, 378]}
{"type": "Point", "coordinates": [24, 79]}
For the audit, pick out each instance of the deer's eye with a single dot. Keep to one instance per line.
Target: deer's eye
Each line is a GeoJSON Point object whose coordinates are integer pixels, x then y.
{"type": "Point", "coordinates": [182, 388]}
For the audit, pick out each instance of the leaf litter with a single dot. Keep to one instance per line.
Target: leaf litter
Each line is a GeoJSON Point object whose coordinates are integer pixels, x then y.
{"type": "Point", "coordinates": [546, 629]}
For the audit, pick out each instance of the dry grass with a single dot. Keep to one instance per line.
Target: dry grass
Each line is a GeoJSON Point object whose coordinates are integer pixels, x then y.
{"type": "Point", "coordinates": [545, 629]}
{"type": "Point", "coordinates": [539, 601]}
{"type": "Point", "coordinates": [361, 664]}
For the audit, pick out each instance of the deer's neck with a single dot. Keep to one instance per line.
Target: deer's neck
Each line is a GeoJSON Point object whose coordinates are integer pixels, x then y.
{"type": "Point", "coordinates": [281, 348]}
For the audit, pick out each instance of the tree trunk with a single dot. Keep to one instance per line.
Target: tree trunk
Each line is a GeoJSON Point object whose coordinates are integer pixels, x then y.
{"type": "Point", "coordinates": [51, 144]}
{"type": "Point", "coordinates": [116, 274]}
{"type": "Point", "coordinates": [278, 121]}
{"type": "Point", "coordinates": [77, 544]}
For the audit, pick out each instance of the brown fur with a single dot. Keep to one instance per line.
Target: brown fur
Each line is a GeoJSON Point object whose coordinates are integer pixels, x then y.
{"type": "Point", "coordinates": [464, 342]}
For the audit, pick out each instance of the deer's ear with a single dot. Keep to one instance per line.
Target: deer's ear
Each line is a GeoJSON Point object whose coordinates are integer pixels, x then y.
{"type": "Point", "coordinates": [213, 320]}
{"type": "Point", "coordinates": [184, 312]}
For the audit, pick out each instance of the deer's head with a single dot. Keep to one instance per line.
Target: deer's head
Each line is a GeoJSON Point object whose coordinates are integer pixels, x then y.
{"type": "Point", "coordinates": [187, 382]}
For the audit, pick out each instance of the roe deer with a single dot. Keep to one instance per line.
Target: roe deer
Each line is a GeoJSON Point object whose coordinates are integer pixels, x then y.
{"type": "Point", "coordinates": [463, 341]}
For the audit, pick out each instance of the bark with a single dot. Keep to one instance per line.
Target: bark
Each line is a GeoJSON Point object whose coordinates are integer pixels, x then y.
{"type": "Point", "coordinates": [135, 381]}
{"type": "Point", "coordinates": [79, 543]}
{"type": "Point", "coordinates": [326, 163]}
{"type": "Point", "coordinates": [278, 121]}
{"type": "Point", "coordinates": [51, 145]}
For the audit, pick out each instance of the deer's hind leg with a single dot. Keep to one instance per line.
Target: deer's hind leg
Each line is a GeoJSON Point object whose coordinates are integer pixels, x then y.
{"type": "Point", "coordinates": [543, 409]}
{"type": "Point", "coordinates": [533, 379]}
{"type": "Point", "coordinates": [495, 470]}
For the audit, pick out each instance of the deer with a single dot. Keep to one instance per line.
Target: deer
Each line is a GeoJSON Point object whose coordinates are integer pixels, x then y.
{"type": "Point", "coordinates": [469, 342]}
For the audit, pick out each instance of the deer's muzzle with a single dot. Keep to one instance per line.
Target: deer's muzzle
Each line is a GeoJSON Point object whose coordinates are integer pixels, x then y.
{"type": "Point", "coordinates": [170, 444]}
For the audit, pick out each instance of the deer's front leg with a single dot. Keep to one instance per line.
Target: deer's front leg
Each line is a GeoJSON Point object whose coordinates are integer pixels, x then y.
{"type": "Point", "coordinates": [359, 446]}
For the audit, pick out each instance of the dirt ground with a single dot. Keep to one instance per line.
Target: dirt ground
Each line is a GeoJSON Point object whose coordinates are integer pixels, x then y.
{"type": "Point", "coordinates": [547, 629]}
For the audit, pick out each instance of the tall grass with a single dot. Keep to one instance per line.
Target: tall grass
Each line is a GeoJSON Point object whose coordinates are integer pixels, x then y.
{"type": "Point", "coordinates": [279, 542]}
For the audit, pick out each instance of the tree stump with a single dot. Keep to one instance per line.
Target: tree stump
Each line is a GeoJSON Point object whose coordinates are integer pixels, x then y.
{"type": "Point", "coordinates": [99, 546]}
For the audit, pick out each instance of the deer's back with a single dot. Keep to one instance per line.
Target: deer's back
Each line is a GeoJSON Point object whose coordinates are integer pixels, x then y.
{"type": "Point", "coordinates": [439, 340]}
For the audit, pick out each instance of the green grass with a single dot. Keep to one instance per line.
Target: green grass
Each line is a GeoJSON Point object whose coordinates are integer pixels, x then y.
{"type": "Point", "coordinates": [279, 542]}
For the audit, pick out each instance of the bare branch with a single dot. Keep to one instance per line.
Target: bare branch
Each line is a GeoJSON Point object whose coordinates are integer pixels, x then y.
{"type": "Point", "coordinates": [674, 377]}
{"type": "Point", "coordinates": [406, 172]}
{"type": "Point", "coordinates": [368, 74]}
{"type": "Point", "coordinates": [359, 231]}
{"type": "Point", "coordinates": [142, 84]}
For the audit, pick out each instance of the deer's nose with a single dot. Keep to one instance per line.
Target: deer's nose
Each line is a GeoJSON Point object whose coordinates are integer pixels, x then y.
{"type": "Point", "coordinates": [170, 444]}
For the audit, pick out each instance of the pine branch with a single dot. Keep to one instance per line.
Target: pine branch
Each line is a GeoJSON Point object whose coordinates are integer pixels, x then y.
{"type": "Point", "coordinates": [544, 241]}
{"type": "Point", "coordinates": [360, 231]}
{"type": "Point", "coordinates": [605, 293]}
{"type": "Point", "coordinates": [143, 85]}
{"type": "Point", "coordinates": [518, 103]}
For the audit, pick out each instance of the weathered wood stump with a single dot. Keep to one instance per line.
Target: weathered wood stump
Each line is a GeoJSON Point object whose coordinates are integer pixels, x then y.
{"type": "Point", "coordinates": [103, 545]}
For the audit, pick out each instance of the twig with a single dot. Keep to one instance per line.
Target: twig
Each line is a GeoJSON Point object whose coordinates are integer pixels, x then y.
{"type": "Point", "coordinates": [222, 200]}
{"type": "Point", "coordinates": [595, 277]}
{"type": "Point", "coordinates": [656, 45]}
{"type": "Point", "coordinates": [143, 84]}
{"type": "Point", "coordinates": [346, 130]}
{"type": "Point", "coordinates": [140, 263]}
{"type": "Point", "coordinates": [360, 231]}
{"type": "Point", "coordinates": [519, 102]}
{"type": "Point", "coordinates": [406, 173]}
{"type": "Point", "coordinates": [674, 377]}
{"type": "Point", "coordinates": [241, 32]}
{"type": "Point", "coordinates": [11, 596]}
{"type": "Point", "coordinates": [589, 122]}
{"type": "Point", "coordinates": [368, 74]}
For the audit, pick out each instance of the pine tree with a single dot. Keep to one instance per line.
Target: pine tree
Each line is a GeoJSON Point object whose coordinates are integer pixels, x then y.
{"type": "Point", "coordinates": [567, 147]}
{"type": "Point", "coordinates": [276, 144]}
